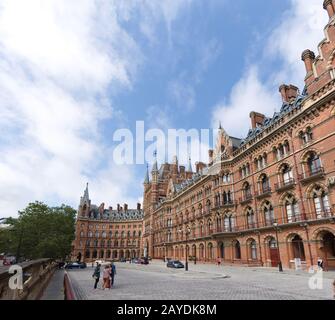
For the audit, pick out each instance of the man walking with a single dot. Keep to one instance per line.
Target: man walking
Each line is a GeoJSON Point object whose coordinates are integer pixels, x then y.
{"type": "Point", "coordinates": [96, 275]}
{"type": "Point", "coordinates": [113, 273]}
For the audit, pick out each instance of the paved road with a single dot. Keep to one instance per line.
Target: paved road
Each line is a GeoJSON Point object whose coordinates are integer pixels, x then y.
{"type": "Point", "coordinates": [156, 282]}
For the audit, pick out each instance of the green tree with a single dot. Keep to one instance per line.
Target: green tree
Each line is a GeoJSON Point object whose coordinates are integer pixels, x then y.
{"type": "Point", "coordinates": [40, 231]}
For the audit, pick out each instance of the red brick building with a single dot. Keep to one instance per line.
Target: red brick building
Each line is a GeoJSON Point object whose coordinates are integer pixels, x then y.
{"type": "Point", "coordinates": [267, 198]}
{"type": "Point", "coordinates": [106, 233]}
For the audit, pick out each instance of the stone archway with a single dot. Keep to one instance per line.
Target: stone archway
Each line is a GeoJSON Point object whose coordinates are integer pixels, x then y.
{"type": "Point", "coordinates": [325, 243]}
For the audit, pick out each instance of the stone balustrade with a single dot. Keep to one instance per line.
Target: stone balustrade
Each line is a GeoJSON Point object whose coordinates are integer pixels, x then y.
{"type": "Point", "coordinates": [36, 276]}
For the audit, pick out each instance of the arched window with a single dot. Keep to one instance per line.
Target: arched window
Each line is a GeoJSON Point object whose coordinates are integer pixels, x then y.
{"type": "Point", "coordinates": [225, 199]}
{"type": "Point", "coordinates": [286, 174]}
{"type": "Point", "coordinates": [95, 243]}
{"type": "Point", "coordinates": [104, 235]}
{"type": "Point", "coordinates": [268, 213]}
{"type": "Point", "coordinates": [81, 234]}
{"type": "Point", "coordinates": [306, 136]}
{"type": "Point", "coordinates": [201, 229]}
{"type": "Point", "coordinates": [321, 202]}
{"type": "Point", "coordinates": [247, 191]}
{"type": "Point", "coordinates": [313, 163]}
{"type": "Point", "coordinates": [229, 223]}
{"type": "Point", "coordinates": [264, 184]}
{"type": "Point", "coordinates": [97, 234]}
{"type": "Point", "coordinates": [253, 250]}
{"type": "Point", "coordinates": [292, 209]}
{"type": "Point", "coordinates": [251, 219]}
{"type": "Point", "coordinates": [116, 234]}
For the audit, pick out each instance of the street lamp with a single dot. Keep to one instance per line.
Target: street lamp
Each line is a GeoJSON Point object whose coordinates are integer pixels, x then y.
{"type": "Point", "coordinates": [275, 224]}
{"type": "Point", "coordinates": [186, 251]}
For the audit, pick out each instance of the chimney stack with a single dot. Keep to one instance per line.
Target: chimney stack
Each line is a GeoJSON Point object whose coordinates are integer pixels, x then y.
{"type": "Point", "coordinates": [308, 57]}
{"type": "Point", "coordinates": [199, 166]}
{"type": "Point", "coordinates": [181, 170]}
{"type": "Point", "coordinates": [138, 207]}
{"type": "Point", "coordinates": [257, 119]}
{"type": "Point", "coordinates": [288, 92]}
{"type": "Point", "coordinates": [329, 6]}
{"type": "Point", "coordinates": [210, 156]}
{"type": "Point", "coordinates": [125, 206]}
{"type": "Point", "coordinates": [118, 208]}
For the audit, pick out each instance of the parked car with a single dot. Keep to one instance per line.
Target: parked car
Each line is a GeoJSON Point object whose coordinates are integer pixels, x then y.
{"type": "Point", "coordinates": [175, 264]}
{"type": "Point", "coordinates": [136, 261]}
{"type": "Point", "coordinates": [75, 265]}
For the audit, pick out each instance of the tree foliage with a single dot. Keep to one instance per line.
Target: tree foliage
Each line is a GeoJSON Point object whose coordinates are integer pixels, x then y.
{"type": "Point", "coordinates": [40, 231]}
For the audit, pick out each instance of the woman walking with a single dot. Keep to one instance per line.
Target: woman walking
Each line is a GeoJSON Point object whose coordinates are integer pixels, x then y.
{"type": "Point", "coordinates": [106, 278]}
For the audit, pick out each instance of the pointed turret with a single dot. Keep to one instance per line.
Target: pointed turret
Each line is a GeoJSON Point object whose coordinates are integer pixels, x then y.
{"type": "Point", "coordinates": [189, 169]}
{"type": "Point", "coordinates": [146, 179]}
{"type": "Point", "coordinates": [85, 203]}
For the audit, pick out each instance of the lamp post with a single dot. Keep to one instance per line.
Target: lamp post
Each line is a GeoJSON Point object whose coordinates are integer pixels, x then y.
{"type": "Point", "coordinates": [186, 251]}
{"type": "Point", "coordinates": [275, 224]}
{"type": "Point", "coordinates": [305, 226]}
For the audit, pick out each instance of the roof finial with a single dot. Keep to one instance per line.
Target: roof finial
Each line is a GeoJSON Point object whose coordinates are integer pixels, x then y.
{"type": "Point", "coordinates": [220, 126]}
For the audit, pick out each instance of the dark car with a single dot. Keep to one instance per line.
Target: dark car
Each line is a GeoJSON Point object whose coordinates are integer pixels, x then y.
{"type": "Point", "coordinates": [136, 261]}
{"type": "Point", "coordinates": [175, 264]}
{"type": "Point", "coordinates": [144, 261]}
{"type": "Point", "coordinates": [75, 265]}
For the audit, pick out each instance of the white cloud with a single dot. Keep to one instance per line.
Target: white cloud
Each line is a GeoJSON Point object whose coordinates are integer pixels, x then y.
{"type": "Point", "coordinates": [301, 28]}
{"type": "Point", "coordinates": [58, 61]}
{"type": "Point", "coordinates": [249, 94]}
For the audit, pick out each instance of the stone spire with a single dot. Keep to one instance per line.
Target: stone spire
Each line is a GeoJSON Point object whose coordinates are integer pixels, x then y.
{"type": "Point", "coordinates": [155, 166]}
{"type": "Point", "coordinates": [147, 180]}
{"type": "Point", "coordinates": [189, 169]}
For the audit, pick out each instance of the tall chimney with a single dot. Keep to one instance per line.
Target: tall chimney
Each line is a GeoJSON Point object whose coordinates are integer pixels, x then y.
{"type": "Point", "coordinates": [257, 119]}
{"type": "Point", "coordinates": [182, 169]}
{"type": "Point", "coordinates": [288, 92]}
{"type": "Point", "coordinates": [118, 207]}
{"type": "Point", "coordinates": [125, 206]}
{"type": "Point", "coordinates": [308, 57]}
{"type": "Point", "coordinates": [329, 6]}
{"type": "Point", "coordinates": [138, 207]}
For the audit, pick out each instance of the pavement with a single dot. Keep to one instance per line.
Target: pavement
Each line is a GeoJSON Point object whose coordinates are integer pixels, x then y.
{"type": "Point", "coordinates": [55, 288]}
{"type": "Point", "coordinates": [204, 282]}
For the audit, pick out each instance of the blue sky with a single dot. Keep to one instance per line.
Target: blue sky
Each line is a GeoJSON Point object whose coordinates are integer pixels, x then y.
{"type": "Point", "coordinates": [72, 72]}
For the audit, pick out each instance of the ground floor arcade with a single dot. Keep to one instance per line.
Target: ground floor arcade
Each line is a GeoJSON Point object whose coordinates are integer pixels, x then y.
{"type": "Point", "coordinates": [301, 246]}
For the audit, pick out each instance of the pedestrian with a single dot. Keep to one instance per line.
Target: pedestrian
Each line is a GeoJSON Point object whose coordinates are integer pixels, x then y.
{"type": "Point", "coordinates": [218, 261]}
{"type": "Point", "coordinates": [96, 275]}
{"type": "Point", "coordinates": [320, 263]}
{"type": "Point", "coordinates": [106, 278]}
{"type": "Point", "coordinates": [113, 273]}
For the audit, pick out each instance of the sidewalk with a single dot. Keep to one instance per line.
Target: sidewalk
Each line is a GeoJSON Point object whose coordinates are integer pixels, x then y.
{"type": "Point", "coordinates": [55, 289]}
{"type": "Point", "coordinates": [226, 268]}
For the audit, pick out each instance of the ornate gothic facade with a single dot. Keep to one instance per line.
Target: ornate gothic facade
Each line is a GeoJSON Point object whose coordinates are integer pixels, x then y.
{"type": "Point", "coordinates": [106, 233]}
{"type": "Point", "coordinates": [267, 198]}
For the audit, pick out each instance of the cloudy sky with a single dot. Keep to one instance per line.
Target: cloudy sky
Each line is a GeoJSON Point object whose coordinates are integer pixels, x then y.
{"type": "Point", "coordinates": [74, 71]}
